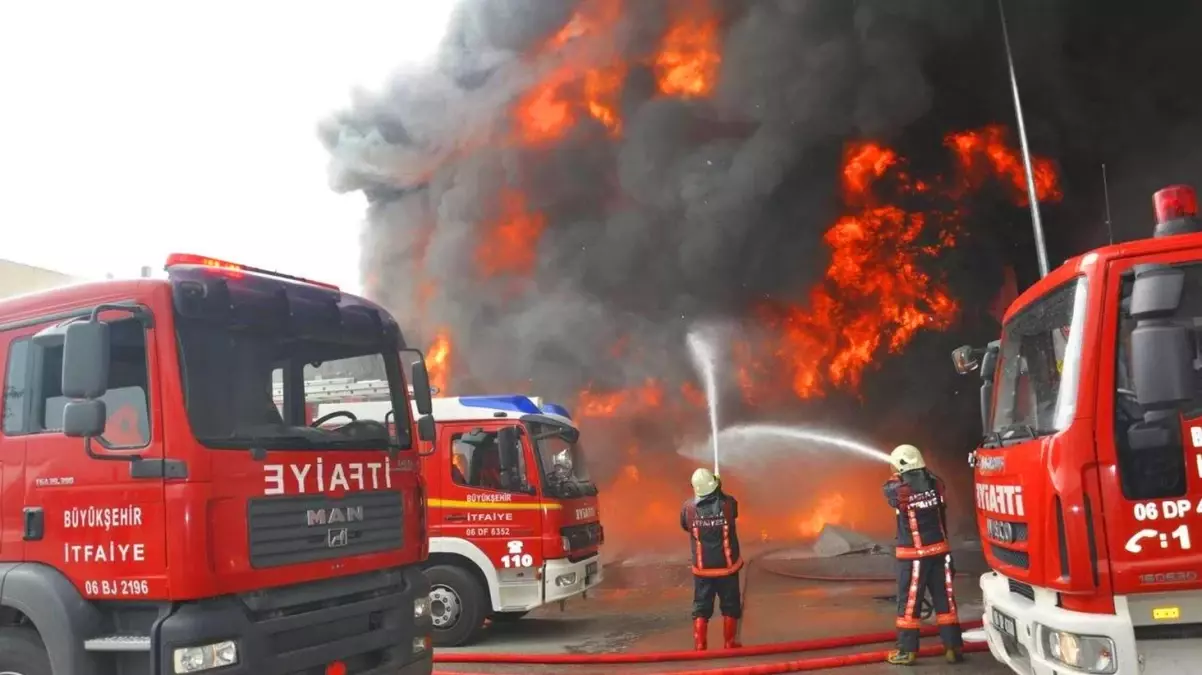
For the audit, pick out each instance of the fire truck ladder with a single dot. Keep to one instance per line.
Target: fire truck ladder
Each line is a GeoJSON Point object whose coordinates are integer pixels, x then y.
{"type": "Point", "coordinates": [341, 389]}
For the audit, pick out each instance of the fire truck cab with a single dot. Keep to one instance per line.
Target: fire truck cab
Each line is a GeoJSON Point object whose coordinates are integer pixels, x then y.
{"type": "Point", "coordinates": [159, 515]}
{"type": "Point", "coordinates": [1089, 476]}
{"type": "Point", "coordinates": [514, 522]}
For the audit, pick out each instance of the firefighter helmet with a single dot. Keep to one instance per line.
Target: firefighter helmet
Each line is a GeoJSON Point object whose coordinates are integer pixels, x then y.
{"type": "Point", "coordinates": [906, 458]}
{"type": "Point", "coordinates": [704, 482]}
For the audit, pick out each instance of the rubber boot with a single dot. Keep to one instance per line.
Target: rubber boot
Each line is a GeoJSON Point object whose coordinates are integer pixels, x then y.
{"type": "Point", "coordinates": [730, 633]}
{"type": "Point", "coordinates": [700, 634]}
{"type": "Point", "coordinates": [899, 658]}
{"type": "Point", "coordinates": [954, 655]}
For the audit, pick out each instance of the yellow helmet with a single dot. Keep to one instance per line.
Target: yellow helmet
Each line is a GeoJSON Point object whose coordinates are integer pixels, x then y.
{"type": "Point", "coordinates": [704, 482]}
{"type": "Point", "coordinates": [906, 458]}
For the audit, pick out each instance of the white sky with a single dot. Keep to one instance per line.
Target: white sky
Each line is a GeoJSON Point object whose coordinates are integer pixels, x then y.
{"type": "Point", "coordinates": [136, 128]}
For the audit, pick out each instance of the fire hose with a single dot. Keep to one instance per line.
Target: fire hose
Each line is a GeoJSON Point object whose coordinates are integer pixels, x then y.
{"type": "Point", "coordinates": [793, 647]}
{"type": "Point", "coordinates": [793, 666]}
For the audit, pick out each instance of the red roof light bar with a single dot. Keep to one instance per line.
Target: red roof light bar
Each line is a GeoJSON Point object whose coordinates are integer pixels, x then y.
{"type": "Point", "coordinates": [1175, 202]}
{"type": "Point", "coordinates": [180, 259]}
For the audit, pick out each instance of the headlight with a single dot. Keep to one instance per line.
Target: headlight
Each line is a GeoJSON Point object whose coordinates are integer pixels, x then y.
{"type": "Point", "coordinates": [565, 580]}
{"type": "Point", "coordinates": [1089, 653]}
{"type": "Point", "coordinates": [421, 607]}
{"type": "Point", "coordinates": [206, 657]}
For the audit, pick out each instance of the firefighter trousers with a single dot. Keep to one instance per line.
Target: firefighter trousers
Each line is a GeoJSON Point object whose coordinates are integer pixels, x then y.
{"type": "Point", "coordinates": [914, 579]}
{"type": "Point", "coordinates": [727, 590]}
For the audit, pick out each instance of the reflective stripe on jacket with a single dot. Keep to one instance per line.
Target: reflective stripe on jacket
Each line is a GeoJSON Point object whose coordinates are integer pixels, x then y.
{"type": "Point", "coordinates": [713, 537]}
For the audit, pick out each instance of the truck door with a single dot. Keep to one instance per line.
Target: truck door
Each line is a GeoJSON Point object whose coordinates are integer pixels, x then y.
{"type": "Point", "coordinates": [500, 517]}
{"type": "Point", "coordinates": [1154, 501]}
{"type": "Point", "coordinates": [89, 518]}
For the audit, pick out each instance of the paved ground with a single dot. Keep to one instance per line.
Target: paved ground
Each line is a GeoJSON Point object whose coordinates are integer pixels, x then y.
{"type": "Point", "coordinates": [645, 608]}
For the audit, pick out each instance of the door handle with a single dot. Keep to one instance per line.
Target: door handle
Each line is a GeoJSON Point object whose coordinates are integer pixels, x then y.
{"type": "Point", "coordinates": [34, 523]}
{"type": "Point", "coordinates": [455, 517]}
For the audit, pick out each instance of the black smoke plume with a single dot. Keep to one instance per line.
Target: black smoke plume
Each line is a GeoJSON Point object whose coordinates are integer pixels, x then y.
{"type": "Point", "coordinates": [704, 207]}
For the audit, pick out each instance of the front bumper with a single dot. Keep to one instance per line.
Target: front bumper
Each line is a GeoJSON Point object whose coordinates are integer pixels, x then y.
{"type": "Point", "coordinates": [1022, 652]}
{"type": "Point", "coordinates": [365, 621]}
{"type": "Point", "coordinates": [559, 570]}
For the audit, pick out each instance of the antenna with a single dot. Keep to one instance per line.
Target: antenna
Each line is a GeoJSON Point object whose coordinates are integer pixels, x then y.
{"type": "Point", "coordinates": [1106, 195]}
{"type": "Point", "coordinates": [1041, 250]}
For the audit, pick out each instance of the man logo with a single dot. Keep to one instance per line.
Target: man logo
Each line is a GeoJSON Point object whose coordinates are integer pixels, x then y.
{"type": "Point", "coordinates": [337, 538]}
{"type": "Point", "coordinates": [349, 514]}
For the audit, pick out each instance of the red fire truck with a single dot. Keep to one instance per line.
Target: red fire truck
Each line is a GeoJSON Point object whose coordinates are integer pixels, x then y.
{"type": "Point", "coordinates": [1089, 477]}
{"type": "Point", "coordinates": [513, 512]}
{"type": "Point", "coordinates": [161, 515]}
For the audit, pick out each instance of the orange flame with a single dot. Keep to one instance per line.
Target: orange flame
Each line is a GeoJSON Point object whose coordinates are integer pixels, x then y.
{"type": "Point", "coordinates": [688, 60]}
{"type": "Point", "coordinates": [876, 295]}
{"type": "Point", "coordinates": [438, 361]}
{"type": "Point", "coordinates": [986, 150]}
{"type": "Point", "coordinates": [511, 246]}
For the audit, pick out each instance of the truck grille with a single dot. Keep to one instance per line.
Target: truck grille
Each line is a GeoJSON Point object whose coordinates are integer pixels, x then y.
{"type": "Point", "coordinates": [585, 535]}
{"type": "Point", "coordinates": [1022, 589]}
{"type": "Point", "coordinates": [363, 621]}
{"type": "Point", "coordinates": [306, 528]}
{"type": "Point", "coordinates": [1011, 557]}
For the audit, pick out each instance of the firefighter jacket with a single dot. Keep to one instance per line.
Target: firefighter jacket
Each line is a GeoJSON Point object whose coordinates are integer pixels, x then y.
{"type": "Point", "coordinates": [710, 522]}
{"type": "Point", "coordinates": [917, 497]}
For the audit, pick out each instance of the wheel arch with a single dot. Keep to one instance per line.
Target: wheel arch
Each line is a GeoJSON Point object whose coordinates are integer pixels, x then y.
{"type": "Point", "coordinates": [465, 554]}
{"type": "Point", "coordinates": [44, 598]}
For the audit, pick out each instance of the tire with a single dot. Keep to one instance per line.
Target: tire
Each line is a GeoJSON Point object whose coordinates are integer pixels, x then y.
{"type": "Point", "coordinates": [457, 602]}
{"type": "Point", "coordinates": [507, 617]}
{"type": "Point", "coordinates": [22, 653]}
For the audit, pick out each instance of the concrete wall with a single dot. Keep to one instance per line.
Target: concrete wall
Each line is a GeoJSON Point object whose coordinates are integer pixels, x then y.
{"type": "Point", "coordinates": [18, 279]}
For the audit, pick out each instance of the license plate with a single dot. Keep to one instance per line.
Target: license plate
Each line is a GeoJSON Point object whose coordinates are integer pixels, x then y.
{"type": "Point", "coordinates": [1005, 624]}
{"type": "Point", "coordinates": [590, 569]}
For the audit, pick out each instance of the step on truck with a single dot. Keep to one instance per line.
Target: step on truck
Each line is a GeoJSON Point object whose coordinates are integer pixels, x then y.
{"type": "Point", "coordinates": [1089, 476]}
{"type": "Point", "coordinates": [514, 520]}
{"type": "Point", "coordinates": [160, 515]}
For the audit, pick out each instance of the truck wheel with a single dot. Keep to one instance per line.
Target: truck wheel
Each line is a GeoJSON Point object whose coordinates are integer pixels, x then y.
{"type": "Point", "coordinates": [457, 606]}
{"type": "Point", "coordinates": [498, 617]}
{"type": "Point", "coordinates": [22, 653]}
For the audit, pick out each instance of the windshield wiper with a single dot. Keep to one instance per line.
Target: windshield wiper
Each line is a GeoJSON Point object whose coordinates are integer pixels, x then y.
{"type": "Point", "coordinates": [1019, 432]}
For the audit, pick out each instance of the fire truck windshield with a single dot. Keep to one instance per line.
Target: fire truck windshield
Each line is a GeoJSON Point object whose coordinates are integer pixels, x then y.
{"type": "Point", "coordinates": [561, 462]}
{"type": "Point", "coordinates": [230, 373]}
{"type": "Point", "coordinates": [1039, 365]}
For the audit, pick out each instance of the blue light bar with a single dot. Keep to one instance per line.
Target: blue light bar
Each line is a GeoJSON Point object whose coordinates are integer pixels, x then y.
{"type": "Point", "coordinates": [510, 403]}
{"type": "Point", "coordinates": [556, 409]}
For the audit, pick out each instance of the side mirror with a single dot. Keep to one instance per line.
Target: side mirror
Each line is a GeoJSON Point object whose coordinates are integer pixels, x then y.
{"type": "Point", "coordinates": [986, 406]}
{"type": "Point", "coordinates": [509, 446]}
{"type": "Point", "coordinates": [86, 360]}
{"type": "Point", "coordinates": [425, 428]}
{"type": "Point", "coordinates": [1162, 352]}
{"type": "Point", "coordinates": [421, 388]}
{"type": "Point", "coordinates": [965, 359]}
{"type": "Point", "coordinates": [989, 361]}
{"type": "Point", "coordinates": [84, 419]}
{"type": "Point", "coordinates": [1162, 358]}
{"type": "Point", "coordinates": [1156, 292]}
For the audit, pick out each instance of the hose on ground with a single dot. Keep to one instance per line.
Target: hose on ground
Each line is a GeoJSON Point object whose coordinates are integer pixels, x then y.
{"type": "Point", "coordinates": [794, 647]}
{"type": "Point", "coordinates": [800, 665]}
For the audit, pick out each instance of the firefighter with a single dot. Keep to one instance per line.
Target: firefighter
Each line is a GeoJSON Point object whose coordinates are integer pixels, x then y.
{"type": "Point", "coordinates": [924, 560]}
{"type": "Point", "coordinates": [709, 518]}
